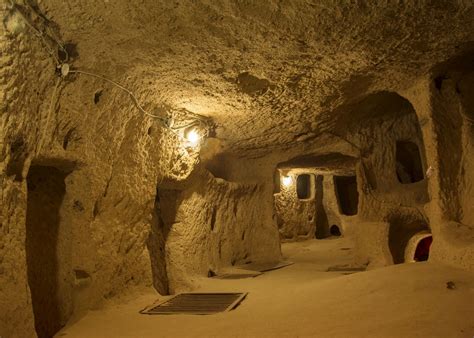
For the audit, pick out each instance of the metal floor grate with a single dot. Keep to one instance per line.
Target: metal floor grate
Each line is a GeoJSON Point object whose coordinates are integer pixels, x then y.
{"type": "Point", "coordinates": [196, 303]}
{"type": "Point", "coordinates": [236, 276]}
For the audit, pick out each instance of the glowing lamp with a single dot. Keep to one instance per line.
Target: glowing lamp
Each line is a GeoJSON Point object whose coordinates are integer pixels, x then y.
{"type": "Point", "coordinates": [287, 181]}
{"type": "Point", "coordinates": [193, 137]}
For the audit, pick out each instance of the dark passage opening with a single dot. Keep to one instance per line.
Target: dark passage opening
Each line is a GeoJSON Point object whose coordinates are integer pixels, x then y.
{"type": "Point", "coordinates": [409, 166]}
{"type": "Point", "coordinates": [347, 194]}
{"type": "Point", "coordinates": [400, 232]}
{"type": "Point", "coordinates": [303, 186]}
{"type": "Point", "coordinates": [46, 190]}
{"type": "Point", "coordinates": [163, 215]}
{"type": "Point", "coordinates": [335, 231]}
{"type": "Point", "coordinates": [322, 223]}
{"type": "Point", "coordinates": [422, 251]}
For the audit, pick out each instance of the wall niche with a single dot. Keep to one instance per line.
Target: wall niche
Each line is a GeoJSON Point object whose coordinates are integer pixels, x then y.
{"type": "Point", "coordinates": [305, 186]}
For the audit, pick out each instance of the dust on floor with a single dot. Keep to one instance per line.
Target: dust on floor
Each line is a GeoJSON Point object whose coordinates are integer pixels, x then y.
{"type": "Point", "coordinates": [305, 299]}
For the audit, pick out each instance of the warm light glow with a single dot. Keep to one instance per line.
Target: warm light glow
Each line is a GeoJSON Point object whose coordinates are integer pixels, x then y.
{"type": "Point", "coordinates": [193, 137]}
{"type": "Point", "coordinates": [287, 181]}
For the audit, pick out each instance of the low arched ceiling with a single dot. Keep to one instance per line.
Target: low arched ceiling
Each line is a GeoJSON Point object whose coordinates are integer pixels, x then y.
{"type": "Point", "coordinates": [267, 72]}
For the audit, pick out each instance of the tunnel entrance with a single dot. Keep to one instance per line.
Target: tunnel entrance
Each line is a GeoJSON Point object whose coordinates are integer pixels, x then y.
{"type": "Point", "coordinates": [165, 202]}
{"type": "Point", "coordinates": [408, 161]}
{"type": "Point", "coordinates": [404, 238]}
{"type": "Point", "coordinates": [335, 231]}
{"type": "Point", "coordinates": [347, 194]}
{"type": "Point", "coordinates": [422, 251]}
{"type": "Point", "coordinates": [46, 190]}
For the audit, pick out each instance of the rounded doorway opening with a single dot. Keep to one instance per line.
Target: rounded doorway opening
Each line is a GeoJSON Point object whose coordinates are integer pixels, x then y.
{"type": "Point", "coordinates": [335, 231]}
{"type": "Point", "coordinates": [422, 251]}
{"type": "Point", "coordinates": [418, 247]}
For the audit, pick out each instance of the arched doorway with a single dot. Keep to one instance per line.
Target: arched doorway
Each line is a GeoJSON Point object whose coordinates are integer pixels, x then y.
{"type": "Point", "coordinates": [422, 251]}
{"type": "Point", "coordinates": [418, 247]}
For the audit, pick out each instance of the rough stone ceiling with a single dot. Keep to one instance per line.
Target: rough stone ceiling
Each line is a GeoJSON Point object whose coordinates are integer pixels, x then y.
{"type": "Point", "coordinates": [265, 71]}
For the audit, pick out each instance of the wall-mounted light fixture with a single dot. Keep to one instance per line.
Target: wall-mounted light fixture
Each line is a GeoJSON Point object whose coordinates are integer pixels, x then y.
{"type": "Point", "coordinates": [287, 181]}
{"type": "Point", "coordinates": [191, 127]}
{"type": "Point", "coordinates": [193, 137]}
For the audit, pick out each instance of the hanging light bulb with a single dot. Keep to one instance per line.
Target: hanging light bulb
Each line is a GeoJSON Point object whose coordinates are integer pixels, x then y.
{"type": "Point", "coordinates": [193, 137]}
{"type": "Point", "coordinates": [287, 181]}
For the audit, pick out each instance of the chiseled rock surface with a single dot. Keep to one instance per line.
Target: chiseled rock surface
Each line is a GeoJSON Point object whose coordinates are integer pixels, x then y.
{"type": "Point", "coordinates": [263, 70]}
{"type": "Point", "coordinates": [274, 77]}
{"type": "Point", "coordinates": [213, 224]}
{"type": "Point", "coordinates": [113, 156]}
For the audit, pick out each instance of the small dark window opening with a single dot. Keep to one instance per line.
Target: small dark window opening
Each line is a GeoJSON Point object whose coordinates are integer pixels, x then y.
{"type": "Point", "coordinates": [422, 251]}
{"type": "Point", "coordinates": [335, 231]}
{"type": "Point", "coordinates": [347, 194]}
{"type": "Point", "coordinates": [303, 186]}
{"type": "Point", "coordinates": [408, 166]}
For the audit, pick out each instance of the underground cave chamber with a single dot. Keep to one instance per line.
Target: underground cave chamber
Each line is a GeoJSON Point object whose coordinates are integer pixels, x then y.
{"type": "Point", "coordinates": [150, 150]}
{"type": "Point", "coordinates": [314, 192]}
{"type": "Point", "coordinates": [338, 193]}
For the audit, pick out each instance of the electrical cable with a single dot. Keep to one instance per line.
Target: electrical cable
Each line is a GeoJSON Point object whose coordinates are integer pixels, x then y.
{"type": "Point", "coordinates": [41, 35]}
{"type": "Point", "coordinates": [132, 96]}
{"type": "Point", "coordinates": [51, 34]}
{"type": "Point", "coordinates": [137, 104]}
{"type": "Point", "coordinates": [61, 65]}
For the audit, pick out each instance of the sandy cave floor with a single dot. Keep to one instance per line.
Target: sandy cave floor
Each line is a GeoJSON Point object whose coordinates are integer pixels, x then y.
{"type": "Point", "coordinates": [406, 300]}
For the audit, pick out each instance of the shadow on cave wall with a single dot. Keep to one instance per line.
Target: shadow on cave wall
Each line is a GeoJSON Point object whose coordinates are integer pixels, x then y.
{"type": "Point", "coordinates": [383, 105]}
{"type": "Point", "coordinates": [453, 115]}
